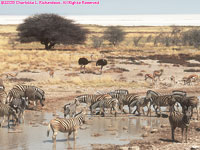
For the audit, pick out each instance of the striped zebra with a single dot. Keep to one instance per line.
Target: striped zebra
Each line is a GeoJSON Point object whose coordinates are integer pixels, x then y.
{"type": "Point", "coordinates": [66, 125]}
{"type": "Point", "coordinates": [179, 95]}
{"type": "Point", "coordinates": [187, 101]}
{"type": "Point", "coordinates": [19, 105]}
{"type": "Point", "coordinates": [6, 110]}
{"type": "Point", "coordinates": [141, 102]}
{"type": "Point", "coordinates": [119, 97]}
{"type": "Point", "coordinates": [159, 101]}
{"type": "Point", "coordinates": [111, 103]}
{"type": "Point", "coordinates": [128, 99]}
{"type": "Point", "coordinates": [180, 120]}
{"type": "Point", "coordinates": [90, 99]}
{"type": "Point", "coordinates": [124, 99]}
{"type": "Point", "coordinates": [14, 93]}
{"type": "Point", "coordinates": [32, 92]}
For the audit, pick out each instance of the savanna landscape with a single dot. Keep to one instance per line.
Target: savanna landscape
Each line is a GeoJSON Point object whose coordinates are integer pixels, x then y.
{"type": "Point", "coordinates": [143, 50]}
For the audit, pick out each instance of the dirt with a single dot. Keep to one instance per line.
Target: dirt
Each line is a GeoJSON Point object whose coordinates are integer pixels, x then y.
{"type": "Point", "coordinates": [126, 69]}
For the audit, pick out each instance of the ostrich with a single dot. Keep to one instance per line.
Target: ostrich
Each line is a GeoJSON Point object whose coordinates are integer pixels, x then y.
{"type": "Point", "coordinates": [101, 62]}
{"type": "Point", "coordinates": [83, 62]}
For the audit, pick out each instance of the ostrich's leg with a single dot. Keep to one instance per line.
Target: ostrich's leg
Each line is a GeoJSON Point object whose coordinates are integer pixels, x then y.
{"type": "Point", "coordinates": [101, 69]}
{"type": "Point", "coordinates": [84, 69]}
{"type": "Point", "coordinates": [80, 68]}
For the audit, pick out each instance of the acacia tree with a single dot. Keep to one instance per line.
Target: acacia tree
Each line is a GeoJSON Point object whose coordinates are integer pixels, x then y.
{"type": "Point", "coordinates": [114, 35]}
{"type": "Point", "coordinates": [50, 29]}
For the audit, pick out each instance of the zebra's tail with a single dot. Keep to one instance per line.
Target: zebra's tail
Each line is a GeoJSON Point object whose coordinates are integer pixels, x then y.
{"type": "Point", "coordinates": [48, 130]}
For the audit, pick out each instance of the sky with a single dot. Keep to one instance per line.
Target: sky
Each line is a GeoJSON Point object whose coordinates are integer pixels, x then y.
{"type": "Point", "coordinates": [107, 7]}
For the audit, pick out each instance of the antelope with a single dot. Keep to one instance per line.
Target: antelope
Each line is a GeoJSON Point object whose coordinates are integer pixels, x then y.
{"type": "Point", "coordinates": [51, 73]}
{"type": "Point", "coordinates": [158, 73]}
{"type": "Point", "coordinates": [149, 76]}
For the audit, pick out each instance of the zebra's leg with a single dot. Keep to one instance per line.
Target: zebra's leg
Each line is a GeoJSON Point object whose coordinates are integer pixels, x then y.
{"type": "Point", "coordinates": [129, 108]}
{"type": "Point", "coordinates": [54, 136]}
{"type": "Point", "coordinates": [160, 111]}
{"type": "Point", "coordinates": [155, 108]}
{"type": "Point", "coordinates": [172, 131]}
{"type": "Point", "coordinates": [8, 121]}
{"type": "Point", "coordinates": [2, 121]}
{"type": "Point", "coordinates": [186, 130]}
{"type": "Point", "coordinates": [74, 134]}
{"type": "Point", "coordinates": [197, 112]}
{"type": "Point", "coordinates": [182, 130]}
{"type": "Point", "coordinates": [143, 111]}
{"type": "Point", "coordinates": [69, 133]}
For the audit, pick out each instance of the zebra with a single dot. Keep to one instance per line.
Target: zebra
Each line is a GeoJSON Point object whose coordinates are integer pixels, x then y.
{"type": "Point", "coordinates": [128, 99]}
{"type": "Point", "coordinates": [160, 100]}
{"type": "Point", "coordinates": [19, 105]}
{"type": "Point", "coordinates": [111, 103]}
{"type": "Point", "coordinates": [14, 93]}
{"type": "Point", "coordinates": [119, 97]}
{"type": "Point", "coordinates": [180, 120]}
{"type": "Point", "coordinates": [3, 96]}
{"type": "Point", "coordinates": [70, 109]}
{"type": "Point", "coordinates": [6, 110]}
{"type": "Point", "coordinates": [66, 125]}
{"type": "Point", "coordinates": [90, 99]}
{"type": "Point", "coordinates": [34, 94]}
{"type": "Point", "coordinates": [141, 102]}
{"type": "Point", "coordinates": [187, 101]}
{"type": "Point", "coordinates": [179, 95]}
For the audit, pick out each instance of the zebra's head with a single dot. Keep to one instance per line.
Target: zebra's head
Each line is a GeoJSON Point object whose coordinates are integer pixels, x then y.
{"type": "Point", "coordinates": [13, 112]}
{"type": "Point", "coordinates": [151, 94]}
{"type": "Point", "coordinates": [25, 101]}
{"type": "Point", "coordinates": [76, 102]}
{"type": "Point", "coordinates": [188, 115]}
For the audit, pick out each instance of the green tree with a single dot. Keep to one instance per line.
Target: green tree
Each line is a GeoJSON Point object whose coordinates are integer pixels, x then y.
{"type": "Point", "coordinates": [50, 29]}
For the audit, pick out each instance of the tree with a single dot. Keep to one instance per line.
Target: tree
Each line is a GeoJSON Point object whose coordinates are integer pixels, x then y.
{"type": "Point", "coordinates": [50, 29]}
{"type": "Point", "coordinates": [114, 35]}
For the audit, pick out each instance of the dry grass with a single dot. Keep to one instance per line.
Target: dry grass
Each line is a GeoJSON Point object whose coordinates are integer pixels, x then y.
{"type": "Point", "coordinates": [33, 57]}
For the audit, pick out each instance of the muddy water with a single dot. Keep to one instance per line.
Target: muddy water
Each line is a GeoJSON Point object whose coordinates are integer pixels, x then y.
{"type": "Point", "coordinates": [31, 135]}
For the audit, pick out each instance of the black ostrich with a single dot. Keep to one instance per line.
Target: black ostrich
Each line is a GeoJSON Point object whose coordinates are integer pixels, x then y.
{"type": "Point", "coordinates": [101, 62]}
{"type": "Point", "coordinates": [83, 62]}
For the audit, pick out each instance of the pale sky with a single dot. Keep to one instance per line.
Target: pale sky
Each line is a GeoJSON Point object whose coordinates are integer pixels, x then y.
{"type": "Point", "coordinates": [108, 7]}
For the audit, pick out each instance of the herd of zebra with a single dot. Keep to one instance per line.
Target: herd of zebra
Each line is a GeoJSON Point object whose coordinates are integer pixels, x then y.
{"type": "Point", "coordinates": [17, 100]}
{"type": "Point", "coordinates": [116, 100]}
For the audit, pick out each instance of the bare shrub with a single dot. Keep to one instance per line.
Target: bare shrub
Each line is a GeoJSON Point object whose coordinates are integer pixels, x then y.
{"type": "Point", "coordinates": [114, 35]}
{"type": "Point", "coordinates": [136, 40]}
{"type": "Point", "coordinates": [191, 38]}
{"type": "Point", "coordinates": [97, 41]}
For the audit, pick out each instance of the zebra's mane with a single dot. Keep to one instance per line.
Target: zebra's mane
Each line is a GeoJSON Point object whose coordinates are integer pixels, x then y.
{"type": "Point", "coordinates": [150, 91]}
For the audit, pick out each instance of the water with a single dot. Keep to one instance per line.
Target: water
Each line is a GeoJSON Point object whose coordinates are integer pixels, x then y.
{"type": "Point", "coordinates": [99, 130]}
{"type": "Point", "coordinates": [123, 20]}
